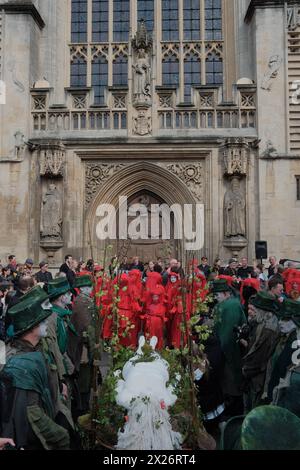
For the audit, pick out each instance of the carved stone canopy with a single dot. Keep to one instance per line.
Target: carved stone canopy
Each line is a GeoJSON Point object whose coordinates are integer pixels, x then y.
{"type": "Point", "coordinates": [236, 156]}
{"type": "Point", "coordinates": [142, 39]}
{"type": "Point", "coordinates": [52, 159]}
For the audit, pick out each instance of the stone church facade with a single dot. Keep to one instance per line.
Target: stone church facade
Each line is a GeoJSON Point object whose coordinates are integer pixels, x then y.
{"type": "Point", "coordinates": [176, 102]}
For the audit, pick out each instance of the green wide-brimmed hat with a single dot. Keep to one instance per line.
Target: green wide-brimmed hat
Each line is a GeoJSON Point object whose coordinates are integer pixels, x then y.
{"type": "Point", "coordinates": [265, 301]}
{"type": "Point", "coordinates": [270, 428]}
{"type": "Point", "coordinates": [219, 285]}
{"type": "Point", "coordinates": [29, 312]}
{"type": "Point", "coordinates": [290, 310]}
{"type": "Point", "coordinates": [58, 287]}
{"type": "Point", "coordinates": [83, 281]}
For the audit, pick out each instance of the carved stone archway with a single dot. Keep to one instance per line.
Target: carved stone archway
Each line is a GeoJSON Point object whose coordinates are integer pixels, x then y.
{"type": "Point", "coordinates": [128, 181]}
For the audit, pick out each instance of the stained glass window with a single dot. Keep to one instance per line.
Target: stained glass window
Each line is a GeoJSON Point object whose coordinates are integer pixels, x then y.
{"type": "Point", "coordinates": [78, 72]}
{"type": "Point", "coordinates": [100, 21]}
{"type": "Point", "coordinates": [192, 74]}
{"type": "Point", "coordinates": [170, 70]}
{"type": "Point", "coordinates": [213, 20]}
{"type": "Point", "coordinates": [146, 13]}
{"type": "Point", "coordinates": [99, 79]}
{"type": "Point", "coordinates": [79, 21]}
{"type": "Point", "coordinates": [170, 20]}
{"type": "Point", "coordinates": [191, 20]}
{"type": "Point", "coordinates": [120, 70]}
{"type": "Point", "coordinates": [214, 69]}
{"type": "Point", "coordinates": [121, 20]}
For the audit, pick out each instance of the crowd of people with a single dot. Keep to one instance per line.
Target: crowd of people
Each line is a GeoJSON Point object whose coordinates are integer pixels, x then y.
{"type": "Point", "coordinates": [53, 328]}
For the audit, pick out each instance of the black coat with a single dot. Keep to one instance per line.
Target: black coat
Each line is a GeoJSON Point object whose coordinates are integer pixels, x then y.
{"type": "Point", "coordinates": [209, 388]}
{"type": "Point", "coordinates": [43, 277]}
{"type": "Point", "coordinates": [68, 272]}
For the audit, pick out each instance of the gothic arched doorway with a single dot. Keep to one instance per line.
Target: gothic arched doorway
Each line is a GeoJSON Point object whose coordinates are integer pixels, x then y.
{"type": "Point", "coordinates": [148, 249]}
{"type": "Point", "coordinates": [136, 181]}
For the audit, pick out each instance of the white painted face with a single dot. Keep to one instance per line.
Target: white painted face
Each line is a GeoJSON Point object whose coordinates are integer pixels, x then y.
{"type": "Point", "coordinates": [46, 305]}
{"type": "Point", "coordinates": [286, 326]}
{"type": "Point", "coordinates": [220, 296]}
{"type": "Point", "coordinates": [86, 290]}
{"type": "Point", "coordinates": [43, 329]}
{"type": "Point", "coordinates": [173, 279]}
{"type": "Point", "coordinates": [67, 298]}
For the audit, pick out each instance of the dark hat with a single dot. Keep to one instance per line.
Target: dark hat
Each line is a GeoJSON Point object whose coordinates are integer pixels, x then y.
{"type": "Point", "coordinates": [219, 285]}
{"type": "Point", "coordinates": [290, 310]}
{"type": "Point", "coordinates": [29, 261]}
{"type": "Point", "coordinates": [29, 312]}
{"type": "Point", "coordinates": [83, 281]}
{"type": "Point", "coordinates": [232, 260]}
{"type": "Point", "coordinates": [265, 301]}
{"type": "Point", "coordinates": [270, 428]}
{"type": "Point", "coordinates": [43, 263]}
{"type": "Point", "coordinates": [58, 287]}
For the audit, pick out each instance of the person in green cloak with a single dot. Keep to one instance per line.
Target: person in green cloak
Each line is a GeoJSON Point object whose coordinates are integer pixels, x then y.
{"type": "Point", "coordinates": [263, 310]}
{"type": "Point", "coordinates": [228, 314]}
{"type": "Point", "coordinates": [60, 326]}
{"type": "Point", "coordinates": [285, 361]}
{"type": "Point", "coordinates": [26, 406]}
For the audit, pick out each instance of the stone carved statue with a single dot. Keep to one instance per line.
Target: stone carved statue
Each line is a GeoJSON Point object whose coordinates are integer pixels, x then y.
{"type": "Point", "coordinates": [51, 220]}
{"type": "Point", "coordinates": [142, 79]}
{"type": "Point", "coordinates": [272, 72]}
{"type": "Point", "coordinates": [234, 211]}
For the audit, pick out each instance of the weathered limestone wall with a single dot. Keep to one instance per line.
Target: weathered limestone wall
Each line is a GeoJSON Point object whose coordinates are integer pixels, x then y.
{"type": "Point", "coordinates": [278, 208]}
{"type": "Point", "coordinates": [20, 65]}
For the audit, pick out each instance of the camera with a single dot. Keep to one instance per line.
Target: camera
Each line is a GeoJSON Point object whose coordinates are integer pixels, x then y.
{"type": "Point", "coordinates": [242, 332]}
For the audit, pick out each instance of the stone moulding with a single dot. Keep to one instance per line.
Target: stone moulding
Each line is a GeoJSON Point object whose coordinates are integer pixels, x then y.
{"type": "Point", "coordinates": [23, 8]}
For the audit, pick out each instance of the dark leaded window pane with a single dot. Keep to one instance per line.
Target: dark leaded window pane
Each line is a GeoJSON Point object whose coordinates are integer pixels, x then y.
{"type": "Point", "coordinates": [191, 20]}
{"type": "Point", "coordinates": [79, 21]}
{"type": "Point", "coordinates": [121, 20]}
{"type": "Point", "coordinates": [170, 24]}
{"type": "Point", "coordinates": [78, 72]}
{"type": "Point", "coordinates": [192, 74]}
{"type": "Point", "coordinates": [100, 20]}
{"type": "Point", "coordinates": [213, 20]}
{"type": "Point", "coordinates": [120, 70]}
{"type": "Point", "coordinates": [170, 70]}
{"type": "Point", "coordinates": [214, 69]}
{"type": "Point", "coordinates": [99, 79]}
{"type": "Point", "coordinates": [146, 13]}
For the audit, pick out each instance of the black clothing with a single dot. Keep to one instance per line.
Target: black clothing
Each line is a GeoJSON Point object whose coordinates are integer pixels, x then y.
{"type": "Point", "coordinates": [271, 270]}
{"type": "Point", "coordinates": [209, 388]}
{"type": "Point", "coordinates": [139, 266]}
{"type": "Point", "coordinates": [68, 272]}
{"type": "Point", "coordinates": [43, 277]}
{"type": "Point", "coordinates": [244, 273]}
{"type": "Point", "coordinates": [205, 269]}
{"type": "Point", "coordinates": [229, 272]}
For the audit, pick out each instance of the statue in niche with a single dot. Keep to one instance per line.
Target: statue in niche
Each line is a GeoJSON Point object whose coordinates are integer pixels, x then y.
{"type": "Point", "coordinates": [142, 79]}
{"type": "Point", "coordinates": [51, 221]}
{"type": "Point", "coordinates": [234, 211]}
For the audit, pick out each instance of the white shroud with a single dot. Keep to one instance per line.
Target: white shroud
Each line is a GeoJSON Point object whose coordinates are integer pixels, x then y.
{"type": "Point", "coordinates": [144, 393]}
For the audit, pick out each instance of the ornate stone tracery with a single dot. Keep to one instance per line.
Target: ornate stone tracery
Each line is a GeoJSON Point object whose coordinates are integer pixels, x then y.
{"type": "Point", "coordinates": [236, 156]}
{"type": "Point", "coordinates": [95, 175]}
{"type": "Point", "coordinates": [192, 174]}
{"type": "Point", "coordinates": [52, 159]}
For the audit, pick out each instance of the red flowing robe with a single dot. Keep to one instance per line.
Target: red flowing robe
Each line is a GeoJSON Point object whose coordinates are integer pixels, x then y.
{"type": "Point", "coordinates": [128, 314]}
{"type": "Point", "coordinates": [174, 312]}
{"type": "Point", "coordinates": [153, 280]}
{"type": "Point", "coordinates": [155, 322]}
